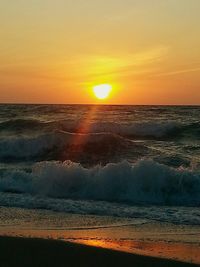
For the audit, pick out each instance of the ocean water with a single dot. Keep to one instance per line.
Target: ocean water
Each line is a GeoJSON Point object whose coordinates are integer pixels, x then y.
{"type": "Point", "coordinates": [139, 162]}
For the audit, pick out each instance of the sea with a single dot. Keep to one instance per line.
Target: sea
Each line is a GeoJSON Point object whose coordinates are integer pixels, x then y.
{"type": "Point", "coordinates": [129, 163]}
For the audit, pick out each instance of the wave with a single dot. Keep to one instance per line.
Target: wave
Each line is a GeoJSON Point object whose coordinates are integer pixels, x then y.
{"type": "Point", "coordinates": [20, 124]}
{"type": "Point", "coordinates": [144, 129]}
{"type": "Point", "coordinates": [145, 182]}
{"type": "Point", "coordinates": [156, 130]}
{"type": "Point", "coordinates": [153, 130]}
{"type": "Point", "coordinates": [62, 145]}
{"type": "Point", "coordinates": [149, 129]}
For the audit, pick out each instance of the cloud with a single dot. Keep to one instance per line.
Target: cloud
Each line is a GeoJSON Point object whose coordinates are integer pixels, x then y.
{"type": "Point", "coordinates": [120, 65]}
{"type": "Point", "coordinates": [177, 72]}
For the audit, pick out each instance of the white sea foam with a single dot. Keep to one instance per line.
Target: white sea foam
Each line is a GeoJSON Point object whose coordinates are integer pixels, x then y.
{"type": "Point", "coordinates": [145, 182]}
{"type": "Point", "coordinates": [177, 215]}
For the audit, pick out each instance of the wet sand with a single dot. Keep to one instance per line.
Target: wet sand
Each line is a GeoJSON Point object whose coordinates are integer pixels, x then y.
{"type": "Point", "coordinates": [16, 251]}
{"type": "Point", "coordinates": [153, 239]}
{"type": "Point", "coordinates": [161, 241]}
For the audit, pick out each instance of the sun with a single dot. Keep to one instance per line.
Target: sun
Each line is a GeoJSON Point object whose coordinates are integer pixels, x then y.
{"type": "Point", "coordinates": [102, 91]}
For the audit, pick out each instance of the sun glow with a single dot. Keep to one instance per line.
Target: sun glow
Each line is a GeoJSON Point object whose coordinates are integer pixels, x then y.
{"type": "Point", "coordinates": [102, 91]}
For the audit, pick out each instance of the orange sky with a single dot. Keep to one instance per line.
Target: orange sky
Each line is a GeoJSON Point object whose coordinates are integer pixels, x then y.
{"type": "Point", "coordinates": [55, 51]}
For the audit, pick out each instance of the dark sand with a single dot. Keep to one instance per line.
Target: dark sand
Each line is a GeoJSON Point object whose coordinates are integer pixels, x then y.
{"type": "Point", "coordinates": [15, 251]}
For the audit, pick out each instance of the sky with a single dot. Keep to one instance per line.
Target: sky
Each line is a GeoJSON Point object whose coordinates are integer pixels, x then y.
{"type": "Point", "coordinates": [56, 51]}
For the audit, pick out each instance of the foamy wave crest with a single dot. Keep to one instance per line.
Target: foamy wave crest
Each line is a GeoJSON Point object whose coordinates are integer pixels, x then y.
{"type": "Point", "coordinates": [145, 182]}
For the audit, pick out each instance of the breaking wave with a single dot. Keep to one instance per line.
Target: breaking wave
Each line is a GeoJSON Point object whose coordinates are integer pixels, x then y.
{"type": "Point", "coordinates": [63, 145]}
{"type": "Point", "coordinates": [145, 182]}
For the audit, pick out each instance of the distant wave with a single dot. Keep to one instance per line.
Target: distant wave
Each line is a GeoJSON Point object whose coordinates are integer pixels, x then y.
{"type": "Point", "coordinates": [20, 124]}
{"type": "Point", "coordinates": [144, 129]}
{"type": "Point", "coordinates": [145, 182]}
{"type": "Point", "coordinates": [139, 130]}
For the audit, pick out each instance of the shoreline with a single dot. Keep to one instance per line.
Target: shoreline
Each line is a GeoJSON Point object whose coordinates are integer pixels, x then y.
{"type": "Point", "coordinates": [153, 239]}
{"type": "Point", "coordinates": [134, 240]}
{"type": "Point", "coordinates": [24, 251]}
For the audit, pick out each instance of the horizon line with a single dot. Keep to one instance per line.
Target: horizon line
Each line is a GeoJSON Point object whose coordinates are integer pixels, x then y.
{"type": "Point", "coordinates": [93, 104]}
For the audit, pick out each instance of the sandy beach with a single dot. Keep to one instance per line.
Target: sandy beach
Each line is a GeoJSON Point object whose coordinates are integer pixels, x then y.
{"type": "Point", "coordinates": [17, 251]}
{"type": "Point", "coordinates": [150, 238]}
